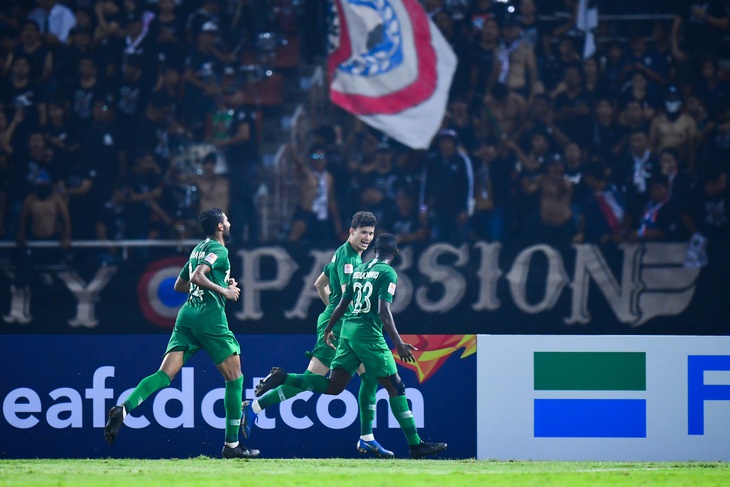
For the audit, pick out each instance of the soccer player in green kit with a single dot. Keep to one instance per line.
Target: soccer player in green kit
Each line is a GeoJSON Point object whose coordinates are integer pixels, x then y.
{"type": "Point", "coordinates": [361, 341]}
{"type": "Point", "coordinates": [330, 284]}
{"type": "Point", "coordinates": [201, 323]}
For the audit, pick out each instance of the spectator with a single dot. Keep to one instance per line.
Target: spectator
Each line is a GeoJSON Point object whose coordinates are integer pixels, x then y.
{"type": "Point", "coordinates": [75, 186]}
{"type": "Point", "coordinates": [707, 212]}
{"type": "Point", "coordinates": [44, 215]}
{"type": "Point", "coordinates": [487, 222]}
{"type": "Point", "coordinates": [483, 54]}
{"type": "Point", "coordinates": [86, 91]}
{"type": "Point", "coordinates": [638, 90]}
{"type": "Point", "coordinates": [167, 31]}
{"type": "Point", "coordinates": [40, 58]}
{"type": "Point", "coordinates": [679, 182]}
{"type": "Point", "coordinates": [660, 220]}
{"type": "Point", "coordinates": [504, 112]}
{"type": "Point", "coordinates": [382, 173]}
{"type": "Point", "coordinates": [448, 188]}
{"type": "Point", "coordinates": [403, 220]}
{"type": "Point", "coordinates": [632, 172]}
{"type": "Point", "coordinates": [603, 208]}
{"type": "Point", "coordinates": [111, 224]}
{"type": "Point", "coordinates": [540, 121]}
{"type": "Point", "coordinates": [607, 134]}
{"type": "Point", "coordinates": [572, 106]}
{"type": "Point", "coordinates": [317, 214]}
{"type": "Point", "coordinates": [7, 131]}
{"type": "Point", "coordinates": [101, 150]}
{"type": "Point", "coordinates": [238, 141]}
{"type": "Point", "coordinates": [556, 210]}
{"type": "Point", "coordinates": [19, 91]}
{"type": "Point", "coordinates": [144, 184]}
{"type": "Point", "coordinates": [674, 129]}
{"type": "Point", "coordinates": [703, 25]}
{"type": "Point", "coordinates": [516, 64]}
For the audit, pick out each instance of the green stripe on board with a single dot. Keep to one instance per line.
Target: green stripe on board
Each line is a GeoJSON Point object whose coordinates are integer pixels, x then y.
{"type": "Point", "coordinates": [590, 371]}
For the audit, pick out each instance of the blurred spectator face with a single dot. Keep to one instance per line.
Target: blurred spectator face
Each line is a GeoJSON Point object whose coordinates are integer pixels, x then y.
{"type": "Point", "coordinates": [572, 155]}
{"type": "Point", "coordinates": [170, 76]}
{"type": "Point", "coordinates": [572, 78]}
{"type": "Point", "coordinates": [538, 144]}
{"type": "Point", "coordinates": [590, 68]}
{"type": "Point", "coordinates": [633, 113]}
{"type": "Point", "coordinates": [371, 196]}
{"type": "Point", "coordinates": [318, 160]}
{"type": "Point", "coordinates": [615, 53]}
{"type": "Point", "coordinates": [21, 69]}
{"type": "Point", "coordinates": [83, 17]}
{"type": "Point", "coordinates": [87, 68]}
{"type": "Point", "coordinates": [555, 168]}
{"type": "Point", "coordinates": [638, 45]}
{"type": "Point", "coordinates": [81, 39]}
{"type": "Point", "coordinates": [567, 50]}
{"type": "Point", "coordinates": [604, 110]}
{"type": "Point", "coordinates": [638, 82]}
{"type": "Point", "coordinates": [658, 191]}
{"type": "Point", "coordinates": [668, 163]}
{"type": "Point", "coordinates": [166, 6]}
{"type": "Point", "coordinates": [447, 146]}
{"type": "Point", "coordinates": [133, 28]}
{"type": "Point", "coordinates": [511, 32]}
{"type": "Point", "coordinates": [695, 108]}
{"type": "Point", "coordinates": [527, 7]}
{"type": "Point", "coordinates": [404, 202]}
{"type": "Point", "coordinates": [30, 34]}
{"type": "Point", "coordinates": [490, 30]}
{"type": "Point", "coordinates": [36, 145]}
{"type": "Point", "coordinates": [639, 143]}
{"type": "Point", "coordinates": [108, 7]}
{"type": "Point", "coordinates": [56, 113]}
{"type": "Point", "coordinates": [708, 70]}
{"type": "Point", "coordinates": [716, 187]}
{"type": "Point", "coordinates": [486, 151]}
{"type": "Point", "coordinates": [384, 158]}
{"type": "Point", "coordinates": [131, 71]}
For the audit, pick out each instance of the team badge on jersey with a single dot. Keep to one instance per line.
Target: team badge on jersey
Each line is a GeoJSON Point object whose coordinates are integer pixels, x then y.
{"type": "Point", "coordinates": [348, 268]}
{"type": "Point", "coordinates": [211, 258]}
{"type": "Point", "coordinates": [391, 288]}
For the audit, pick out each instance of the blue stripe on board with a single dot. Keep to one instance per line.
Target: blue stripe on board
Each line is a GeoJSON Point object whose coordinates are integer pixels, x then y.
{"type": "Point", "coordinates": [590, 418]}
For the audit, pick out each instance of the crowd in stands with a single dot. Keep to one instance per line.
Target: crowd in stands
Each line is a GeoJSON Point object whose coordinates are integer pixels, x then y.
{"type": "Point", "coordinates": [540, 143]}
{"type": "Point", "coordinates": [543, 144]}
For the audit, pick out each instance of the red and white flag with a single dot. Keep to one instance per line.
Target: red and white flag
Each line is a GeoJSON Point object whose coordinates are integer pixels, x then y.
{"type": "Point", "coordinates": [390, 66]}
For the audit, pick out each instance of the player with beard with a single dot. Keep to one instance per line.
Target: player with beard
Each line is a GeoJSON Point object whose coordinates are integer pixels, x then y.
{"type": "Point", "coordinates": [201, 324]}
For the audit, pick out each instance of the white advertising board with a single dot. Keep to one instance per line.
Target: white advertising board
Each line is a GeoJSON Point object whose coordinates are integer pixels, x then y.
{"type": "Point", "coordinates": [642, 398]}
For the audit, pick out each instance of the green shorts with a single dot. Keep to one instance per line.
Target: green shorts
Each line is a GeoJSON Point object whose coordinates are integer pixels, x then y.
{"type": "Point", "coordinates": [190, 335]}
{"type": "Point", "coordinates": [375, 356]}
{"type": "Point", "coordinates": [324, 353]}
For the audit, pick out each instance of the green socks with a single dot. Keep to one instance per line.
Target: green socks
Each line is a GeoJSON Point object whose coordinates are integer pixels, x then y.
{"type": "Point", "coordinates": [366, 401]}
{"type": "Point", "coordinates": [280, 394]}
{"type": "Point", "coordinates": [308, 382]}
{"type": "Point", "coordinates": [232, 402]}
{"type": "Point", "coordinates": [146, 386]}
{"type": "Point", "coordinates": [399, 406]}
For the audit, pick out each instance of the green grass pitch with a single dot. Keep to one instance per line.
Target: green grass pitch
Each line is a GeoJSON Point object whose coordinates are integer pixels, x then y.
{"type": "Point", "coordinates": [205, 471]}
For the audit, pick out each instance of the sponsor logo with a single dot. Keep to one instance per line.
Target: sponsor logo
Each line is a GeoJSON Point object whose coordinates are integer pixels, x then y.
{"type": "Point", "coordinates": [611, 372]}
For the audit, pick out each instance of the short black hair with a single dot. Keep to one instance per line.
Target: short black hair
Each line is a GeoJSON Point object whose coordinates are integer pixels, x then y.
{"type": "Point", "coordinates": [209, 220]}
{"type": "Point", "coordinates": [363, 219]}
{"type": "Point", "coordinates": [386, 244]}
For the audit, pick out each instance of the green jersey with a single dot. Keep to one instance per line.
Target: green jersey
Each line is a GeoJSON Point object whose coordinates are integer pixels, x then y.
{"type": "Point", "coordinates": [370, 282]}
{"type": "Point", "coordinates": [203, 301]}
{"type": "Point", "coordinates": [338, 271]}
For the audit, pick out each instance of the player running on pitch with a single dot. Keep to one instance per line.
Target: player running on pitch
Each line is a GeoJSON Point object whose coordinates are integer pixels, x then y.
{"type": "Point", "coordinates": [330, 285]}
{"type": "Point", "coordinates": [361, 341]}
{"type": "Point", "coordinates": [201, 323]}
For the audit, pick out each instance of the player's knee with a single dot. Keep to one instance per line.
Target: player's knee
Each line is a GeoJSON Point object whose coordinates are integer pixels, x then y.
{"type": "Point", "coordinates": [398, 385]}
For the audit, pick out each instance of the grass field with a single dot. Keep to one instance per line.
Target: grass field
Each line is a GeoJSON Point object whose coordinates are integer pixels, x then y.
{"type": "Point", "coordinates": [205, 471]}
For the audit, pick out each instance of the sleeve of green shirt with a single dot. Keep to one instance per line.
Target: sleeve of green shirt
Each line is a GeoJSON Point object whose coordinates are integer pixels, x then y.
{"type": "Point", "coordinates": [386, 284]}
{"type": "Point", "coordinates": [216, 257]}
{"type": "Point", "coordinates": [185, 272]}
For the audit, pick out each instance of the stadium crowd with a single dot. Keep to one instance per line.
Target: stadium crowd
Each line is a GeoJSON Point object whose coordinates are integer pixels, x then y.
{"type": "Point", "coordinates": [101, 98]}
